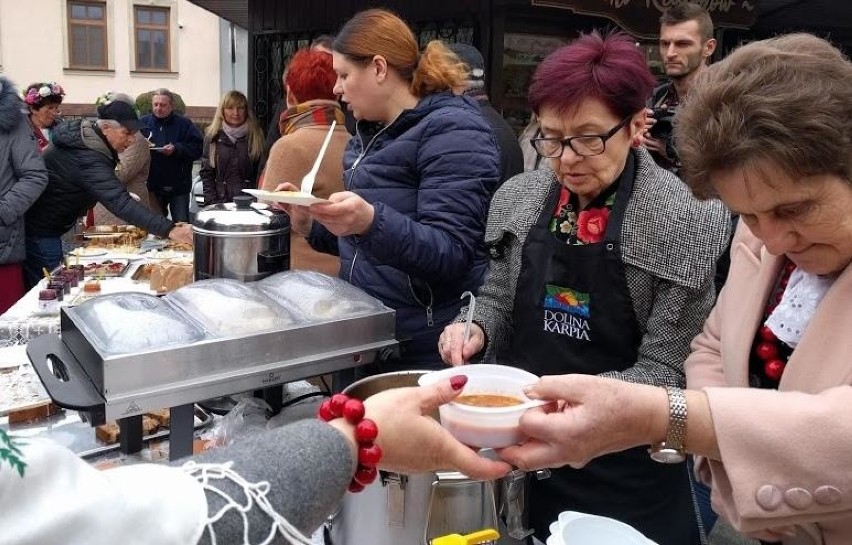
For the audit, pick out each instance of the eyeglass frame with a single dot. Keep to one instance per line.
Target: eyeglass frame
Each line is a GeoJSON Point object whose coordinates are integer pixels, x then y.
{"type": "Point", "coordinates": [568, 139]}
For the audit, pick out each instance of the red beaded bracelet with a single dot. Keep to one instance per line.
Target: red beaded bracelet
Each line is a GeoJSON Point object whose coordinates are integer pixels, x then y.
{"type": "Point", "coordinates": [366, 431]}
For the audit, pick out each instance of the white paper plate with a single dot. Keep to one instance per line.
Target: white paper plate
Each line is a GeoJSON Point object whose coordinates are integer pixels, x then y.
{"type": "Point", "coordinates": [88, 252]}
{"type": "Point", "coordinates": [157, 255]}
{"type": "Point", "coordinates": [103, 235]}
{"type": "Point", "coordinates": [13, 356]}
{"type": "Point", "coordinates": [287, 197]}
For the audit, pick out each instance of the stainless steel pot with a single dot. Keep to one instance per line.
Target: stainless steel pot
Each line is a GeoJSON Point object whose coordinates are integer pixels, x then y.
{"type": "Point", "coordinates": [243, 240]}
{"type": "Point", "coordinates": [411, 509]}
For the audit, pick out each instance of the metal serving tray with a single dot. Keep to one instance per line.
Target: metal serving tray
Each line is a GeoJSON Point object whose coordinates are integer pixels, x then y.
{"type": "Point", "coordinates": [109, 387]}
{"type": "Point", "coordinates": [78, 436]}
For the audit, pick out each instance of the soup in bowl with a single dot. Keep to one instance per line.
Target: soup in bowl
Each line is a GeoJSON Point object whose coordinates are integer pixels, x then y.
{"type": "Point", "coordinates": [487, 412]}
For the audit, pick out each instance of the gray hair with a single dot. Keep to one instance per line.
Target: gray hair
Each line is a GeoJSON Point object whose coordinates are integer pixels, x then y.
{"type": "Point", "coordinates": [123, 97]}
{"type": "Point", "coordinates": [110, 123]}
{"type": "Point", "coordinates": [162, 91]}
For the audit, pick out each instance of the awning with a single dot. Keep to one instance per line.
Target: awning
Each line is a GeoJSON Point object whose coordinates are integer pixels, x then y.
{"type": "Point", "coordinates": [235, 11]}
{"type": "Point", "coordinates": [642, 19]}
{"type": "Point", "coordinates": [822, 15]}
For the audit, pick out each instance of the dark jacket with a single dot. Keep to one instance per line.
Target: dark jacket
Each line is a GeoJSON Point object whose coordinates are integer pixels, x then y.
{"type": "Point", "coordinates": [665, 94]}
{"type": "Point", "coordinates": [511, 156]}
{"type": "Point", "coordinates": [669, 245]}
{"type": "Point", "coordinates": [172, 174]}
{"type": "Point", "coordinates": [22, 173]}
{"type": "Point", "coordinates": [234, 170]}
{"type": "Point", "coordinates": [81, 168]}
{"type": "Point", "coordinates": [430, 176]}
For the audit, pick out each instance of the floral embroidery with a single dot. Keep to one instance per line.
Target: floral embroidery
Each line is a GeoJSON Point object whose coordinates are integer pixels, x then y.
{"type": "Point", "coordinates": [591, 225]}
{"type": "Point", "coordinates": [587, 227]}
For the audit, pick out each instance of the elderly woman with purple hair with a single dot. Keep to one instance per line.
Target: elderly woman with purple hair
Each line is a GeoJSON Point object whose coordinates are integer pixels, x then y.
{"type": "Point", "coordinates": [602, 264]}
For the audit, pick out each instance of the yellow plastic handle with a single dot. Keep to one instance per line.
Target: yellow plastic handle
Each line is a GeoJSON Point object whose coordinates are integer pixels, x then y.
{"type": "Point", "coordinates": [482, 536]}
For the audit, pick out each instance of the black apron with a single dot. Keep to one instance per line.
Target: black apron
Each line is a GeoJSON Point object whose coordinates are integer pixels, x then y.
{"type": "Point", "coordinates": [573, 314]}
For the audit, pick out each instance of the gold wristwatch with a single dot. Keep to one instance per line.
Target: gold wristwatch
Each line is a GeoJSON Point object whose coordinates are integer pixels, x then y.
{"type": "Point", "coordinates": [672, 450]}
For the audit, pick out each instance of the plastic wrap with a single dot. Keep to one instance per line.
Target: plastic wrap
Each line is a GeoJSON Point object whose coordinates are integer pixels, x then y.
{"type": "Point", "coordinates": [124, 323]}
{"type": "Point", "coordinates": [227, 308]}
{"type": "Point", "coordinates": [248, 417]}
{"type": "Point", "coordinates": [318, 297]}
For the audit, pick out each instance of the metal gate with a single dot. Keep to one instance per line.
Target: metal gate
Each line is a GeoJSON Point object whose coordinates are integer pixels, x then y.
{"type": "Point", "coordinates": [273, 50]}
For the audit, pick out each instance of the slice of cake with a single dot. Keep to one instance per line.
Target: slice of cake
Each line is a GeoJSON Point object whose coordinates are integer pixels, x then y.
{"type": "Point", "coordinates": [171, 274]}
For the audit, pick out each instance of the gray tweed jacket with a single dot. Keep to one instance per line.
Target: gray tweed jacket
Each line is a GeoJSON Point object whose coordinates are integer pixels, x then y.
{"type": "Point", "coordinates": [670, 242]}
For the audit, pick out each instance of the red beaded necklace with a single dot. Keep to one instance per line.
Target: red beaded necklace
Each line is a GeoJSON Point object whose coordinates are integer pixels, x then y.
{"type": "Point", "coordinates": [770, 354]}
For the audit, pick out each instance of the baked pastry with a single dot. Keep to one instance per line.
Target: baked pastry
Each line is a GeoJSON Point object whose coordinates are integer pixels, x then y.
{"type": "Point", "coordinates": [171, 274]}
{"type": "Point", "coordinates": [37, 412]}
{"type": "Point", "coordinates": [162, 417]}
{"type": "Point", "coordinates": [149, 425]}
{"type": "Point", "coordinates": [92, 286]}
{"type": "Point", "coordinates": [108, 433]}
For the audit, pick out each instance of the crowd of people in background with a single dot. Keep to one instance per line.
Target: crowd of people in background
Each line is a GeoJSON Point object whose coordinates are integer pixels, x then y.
{"type": "Point", "coordinates": [597, 245]}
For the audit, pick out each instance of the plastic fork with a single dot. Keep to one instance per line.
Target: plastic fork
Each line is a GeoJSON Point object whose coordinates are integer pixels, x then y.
{"type": "Point", "coordinates": [476, 538]}
{"type": "Point", "coordinates": [310, 177]}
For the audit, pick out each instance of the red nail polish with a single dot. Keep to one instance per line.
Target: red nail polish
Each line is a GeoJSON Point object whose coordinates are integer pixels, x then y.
{"type": "Point", "coordinates": [458, 382]}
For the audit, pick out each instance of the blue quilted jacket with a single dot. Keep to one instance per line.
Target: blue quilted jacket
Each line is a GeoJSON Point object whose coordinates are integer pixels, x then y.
{"type": "Point", "coordinates": [430, 176]}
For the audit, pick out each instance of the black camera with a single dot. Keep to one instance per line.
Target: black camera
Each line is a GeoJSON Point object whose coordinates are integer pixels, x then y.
{"type": "Point", "coordinates": [664, 126]}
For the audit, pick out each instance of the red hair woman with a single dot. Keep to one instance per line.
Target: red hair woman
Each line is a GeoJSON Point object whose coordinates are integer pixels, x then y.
{"type": "Point", "coordinates": [311, 107]}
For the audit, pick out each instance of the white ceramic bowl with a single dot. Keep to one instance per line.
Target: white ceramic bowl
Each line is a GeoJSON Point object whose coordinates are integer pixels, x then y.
{"type": "Point", "coordinates": [485, 427]}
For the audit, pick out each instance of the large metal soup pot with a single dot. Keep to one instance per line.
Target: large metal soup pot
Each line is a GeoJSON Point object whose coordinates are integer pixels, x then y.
{"type": "Point", "coordinates": [243, 240]}
{"type": "Point", "coordinates": [413, 509]}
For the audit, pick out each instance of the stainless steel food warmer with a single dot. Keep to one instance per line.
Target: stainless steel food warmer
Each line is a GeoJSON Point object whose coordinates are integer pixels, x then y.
{"type": "Point", "coordinates": [78, 374]}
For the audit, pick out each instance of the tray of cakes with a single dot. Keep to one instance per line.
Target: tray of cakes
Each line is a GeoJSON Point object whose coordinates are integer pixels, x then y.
{"type": "Point", "coordinates": [122, 354]}
{"type": "Point", "coordinates": [125, 232]}
{"type": "Point", "coordinates": [105, 268]}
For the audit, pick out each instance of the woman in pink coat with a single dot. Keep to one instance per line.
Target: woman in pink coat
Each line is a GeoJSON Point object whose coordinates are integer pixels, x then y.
{"type": "Point", "coordinates": [767, 413]}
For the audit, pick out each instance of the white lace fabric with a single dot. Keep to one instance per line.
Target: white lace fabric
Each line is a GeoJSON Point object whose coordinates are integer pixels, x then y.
{"type": "Point", "coordinates": [798, 305]}
{"type": "Point", "coordinates": [255, 497]}
{"type": "Point", "coordinates": [61, 499]}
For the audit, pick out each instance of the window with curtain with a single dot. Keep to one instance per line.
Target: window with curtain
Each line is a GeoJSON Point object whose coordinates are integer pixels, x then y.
{"type": "Point", "coordinates": [151, 31]}
{"type": "Point", "coordinates": [87, 35]}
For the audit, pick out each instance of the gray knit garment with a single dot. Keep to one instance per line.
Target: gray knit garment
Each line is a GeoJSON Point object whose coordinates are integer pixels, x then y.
{"type": "Point", "coordinates": [308, 465]}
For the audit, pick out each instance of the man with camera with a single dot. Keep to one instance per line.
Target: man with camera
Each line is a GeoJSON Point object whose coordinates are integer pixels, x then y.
{"type": "Point", "coordinates": [686, 42]}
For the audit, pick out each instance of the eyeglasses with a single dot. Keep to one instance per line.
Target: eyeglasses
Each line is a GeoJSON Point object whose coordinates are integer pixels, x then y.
{"type": "Point", "coordinates": [585, 145]}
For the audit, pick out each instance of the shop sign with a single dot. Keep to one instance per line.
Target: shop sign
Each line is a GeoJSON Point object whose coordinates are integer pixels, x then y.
{"type": "Point", "coordinates": [642, 17]}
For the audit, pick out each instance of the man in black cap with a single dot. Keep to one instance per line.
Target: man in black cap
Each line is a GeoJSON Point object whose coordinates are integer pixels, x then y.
{"type": "Point", "coordinates": [511, 156]}
{"type": "Point", "coordinates": [81, 163]}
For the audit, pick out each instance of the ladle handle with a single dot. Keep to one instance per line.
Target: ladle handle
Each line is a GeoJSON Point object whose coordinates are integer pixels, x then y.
{"type": "Point", "coordinates": [471, 308]}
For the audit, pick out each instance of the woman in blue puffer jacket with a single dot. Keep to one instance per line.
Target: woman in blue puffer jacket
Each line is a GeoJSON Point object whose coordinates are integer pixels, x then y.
{"type": "Point", "coordinates": [419, 176]}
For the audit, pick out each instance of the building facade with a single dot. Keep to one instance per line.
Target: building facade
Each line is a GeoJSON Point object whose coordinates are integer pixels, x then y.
{"type": "Point", "coordinates": [513, 35]}
{"type": "Point", "coordinates": [131, 46]}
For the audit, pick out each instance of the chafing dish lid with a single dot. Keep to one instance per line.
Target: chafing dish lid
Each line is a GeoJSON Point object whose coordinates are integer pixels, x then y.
{"type": "Point", "coordinates": [318, 297]}
{"type": "Point", "coordinates": [241, 216]}
{"type": "Point", "coordinates": [226, 308]}
{"type": "Point", "coordinates": [123, 323]}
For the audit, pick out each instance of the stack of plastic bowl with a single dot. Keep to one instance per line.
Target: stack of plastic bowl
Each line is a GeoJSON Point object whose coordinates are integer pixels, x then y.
{"type": "Point", "coordinates": [573, 528]}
